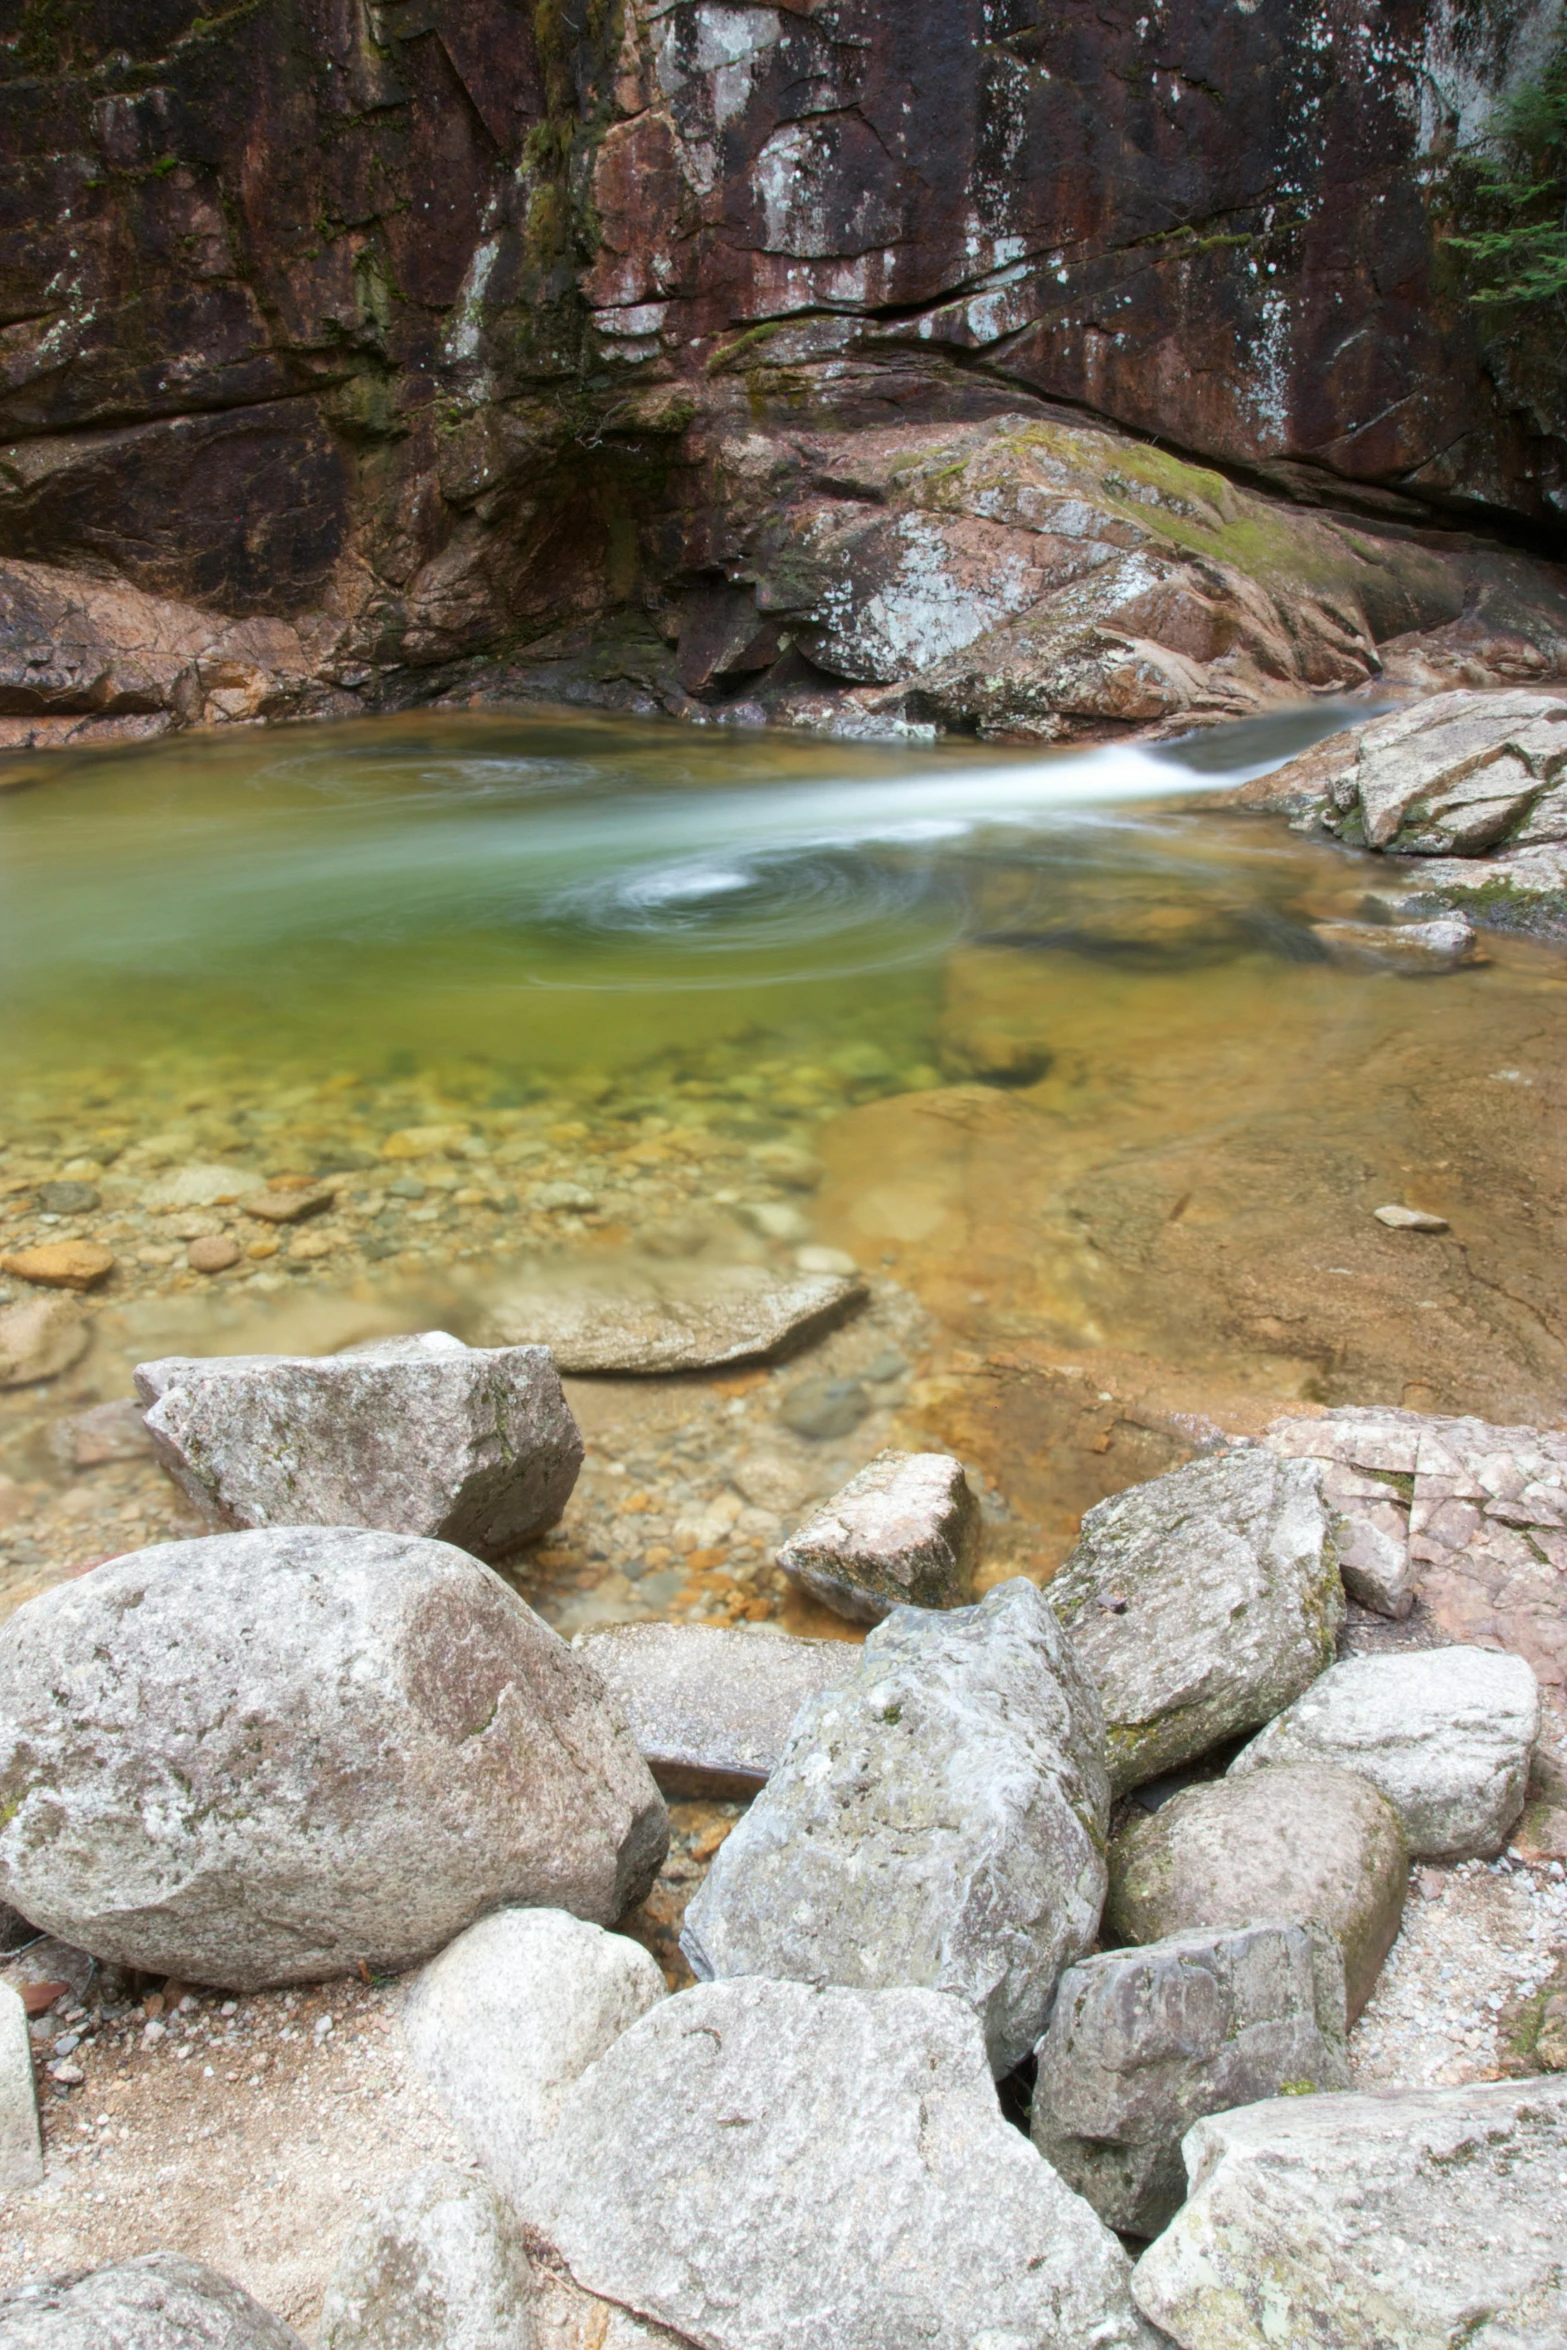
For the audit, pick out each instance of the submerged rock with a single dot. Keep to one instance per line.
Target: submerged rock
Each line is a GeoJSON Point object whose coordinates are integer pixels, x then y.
{"type": "Point", "coordinates": [711, 1705]}
{"type": "Point", "coordinates": [62, 1264]}
{"type": "Point", "coordinates": [904, 1532]}
{"type": "Point", "coordinates": [1305, 1840]}
{"type": "Point", "coordinates": [764, 2165]}
{"type": "Point", "coordinates": [438, 2265]}
{"type": "Point", "coordinates": [421, 1435]}
{"type": "Point", "coordinates": [671, 1318]}
{"type": "Point", "coordinates": [1445, 1733]}
{"type": "Point", "coordinates": [1423, 2217]}
{"type": "Point", "coordinates": [160, 2302]}
{"type": "Point", "coordinates": [937, 1818]}
{"type": "Point", "coordinates": [269, 1757]}
{"type": "Point", "coordinates": [1142, 2042]}
{"type": "Point", "coordinates": [1201, 1603]}
{"type": "Point", "coordinates": [39, 1338]}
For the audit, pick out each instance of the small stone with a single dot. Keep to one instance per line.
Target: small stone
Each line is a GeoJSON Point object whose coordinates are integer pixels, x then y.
{"type": "Point", "coordinates": [406, 1187]}
{"type": "Point", "coordinates": [67, 1199]}
{"type": "Point", "coordinates": [814, 1258]}
{"type": "Point", "coordinates": [1142, 2042]}
{"type": "Point", "coordinates": [205, 1186]}
{"type": "Point", "coordinates": [62, 1264]}
{"type": "Point", "coordinates": [561, 1198]}
{"type": "Point", "coordinates": [21, 2146]}
{"type": "Point", "coordinates": [67, 2075]}
{"type": "Point", "coordinates": [1303, 1840]}
{"type": "Point", "coordinates": [904, 1532]}
{"type": "Point", "coordinates": [214, 1253]}
{"type": "Point", "coordinates": [774, 1219]}
{"type": "Point", "coordinates": [261, 1249]}
{"type": "Point", "coordinates": [438, 2265]}
{"type": "Point", "coordinates": [823, 1407]}
{"type": "Point", "coordinates": [1445, 1733]}
{"type": "Point", "coordinates": [1400, 1219]}
{"type": "Point", "coordinates": [160, 2302]}
{"type": "Point", "coordinates": [39, 1338]}
{"type": "Point", "coordinates": [787, 1164]}
{"type": "Point", "coordinates": [289, 1205]}
{"type": "Point", "coordinates": [426, 1142]}
{"type": "Point", "coordinates": [887, 1363]}
{"type": "Point", "coordinates": [711, 1706]}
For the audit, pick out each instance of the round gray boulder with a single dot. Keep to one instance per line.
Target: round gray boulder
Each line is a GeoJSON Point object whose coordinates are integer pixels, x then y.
{"type": "Point", "coordinates": [160, 2302]}
{"type": "Point", "coordinates": [263, 1758]}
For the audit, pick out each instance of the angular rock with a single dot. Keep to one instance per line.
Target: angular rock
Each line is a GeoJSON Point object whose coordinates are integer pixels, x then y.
{"type": "Point", "coordinates": [160, 2302]}
{"type": "Point", "coordinates": [1142, 2042]}
{"type": "Point", "coordinates": [62, 1264]}
{"type": "Point", "coordinates": [1445, 1733]}
{"type": "Point", "coordinates": [505, 2021]}
{"type": "Point", "coordinates": [710, 1705]}
{"type": "Point", "coordinates": [937, 1818]}
{"type": "Point", "coordinates": [672, 1318]}
{"type": "Point", "coordinates": [1305, 1840]}
{"type": "Point", "coordinates": [411, 1435]}
{"type": "Point", "coordinates": [1370, 1536]}
{"type": "Point", "coordinates": [39, 1338]}
{"type": "Point", "coordinates": [438, 2265]}
{"type": "Point", "coordinates": [288, 1204]}
{"type": "Point", "coordinates": [104, 1432]}
{"type": "Point", "coordinates": [1423, 2217]}
{"type": "Point", "coordinates": [764, 2166]}
{"type": "Point", "coordinates": [205, 1185]}
{"type": "Point", "coordinates": [264, 1758]}
{"type": "Point", "coordinates": [1398, 1218]}
{"type": "Point", "coordinates": [21, 2145]}
{"type": "Point", "coordinates": [1201, 1603]}
{"type": "Point", "coordinates": [904, 1532]}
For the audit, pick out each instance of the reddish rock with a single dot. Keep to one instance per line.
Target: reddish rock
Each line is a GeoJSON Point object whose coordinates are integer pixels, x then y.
{"type": "Point", "coordinates": [62, 1264]}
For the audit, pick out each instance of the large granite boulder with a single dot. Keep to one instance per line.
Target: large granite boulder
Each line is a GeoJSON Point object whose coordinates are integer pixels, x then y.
{"type": "Point", "coordinates": [510, 2015]}
{"type": "Point", "coordinates": [1201, 1603]}
{"type": "Point", "coordinates": [937, 1818]}
{"type": "Point", "coordinates": [423, 1435]}
{"type": "Point", "coordinates": [1445, 1733]}
{"type": "Point", "coordinates": [903, 1532]}
{"type": "Point", "coordinates": [268, 1757]}
{"type": "Point", "coordinates": [438, 2265]}
{"type": "Point", "coordinates": [1420, 2217]}
{"type": "Point", "coordinates": [1142, 2042]}
{"type": "Point", "coordinates": [711, 1705]}
{"type": "Point", "coordinates": [1303, 1841]}
{"type": "Point", "coordinates": [764, 2166]}
{"type": "Point", "coordinates": [160, 2302]}
{"type": "Point", "coordinates": [21, 2147]}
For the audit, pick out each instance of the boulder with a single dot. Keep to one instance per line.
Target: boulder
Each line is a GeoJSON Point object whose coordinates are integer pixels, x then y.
{"type": "Point", "coordinates": [1445, 1733]}
{"type": "Point", "coordinates": [1201, 1603]}
{"type": "Point", "coordinates": [160, 2302]}
{"type": "Point", "coordinates": [764, 2166]}
{"type": "Point", "coordinates": [268, 1757]}
{"type": "Point", "coordinates": [937, 1818]}
{"type": "Point", "coordinates": [509, 2016]}
{"type": "Point", "coordinates": [423, 1435]}
{"type": "Point", "coordinates": [711, 1705]}
{"type": "Point", "coordinates": [671, 1317]}
{"type": "Point", "coordinates": [1303, 1841]}
{"type": "Point", "coordinates": [39, 1338]}
{"type": "Point", "coordinates": [904, 1532]}
{"type": "Point", "coordinates": [438, 2265]}
{"type": "Point", "coordinates": [1422, 2217]}
{"type": "Point", "coordinates": [1142, 2042]}
{"type": "Point", "coordinates": [21, 2146]}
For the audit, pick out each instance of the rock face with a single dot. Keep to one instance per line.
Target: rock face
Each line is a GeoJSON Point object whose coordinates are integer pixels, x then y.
{"type": "Point", "coordinates": [438, 2265]}
{"type": "Point", "coordinates": [1428, 2216]}
{"type": "Point", "coordinates": [424, 1435]}
{"type": "Point", "coordinates": [509, 2017]}
{"type": "Point", "coordinates": [1305, 1840]}
{"type": "Point", "coordinates": [1445, 1733]}
{"type": "Point", "coordinates": [1201, 1603]}
{"type": "Point", "coordinates": [39, 1338]}
{"type": "Point", "coordinates": [21, 2147]}
{"type": "Point", "coordinates": [160, 2302]}
{"type": "Point", "coordinates": [675, 1318]}
{"type": "Point", "coordinates": [264, 1758]}
{"type": "Point", "coordinates": [1142, 2042]}
{"type": "Point", "coordinates": [937, 1818]}
{"type": "Point", "coordinates": [760, 2166]}
{"type": "Point", "coordinates": [904, 1532]}
{"type": "Point", "coordinates": [710, 1705]}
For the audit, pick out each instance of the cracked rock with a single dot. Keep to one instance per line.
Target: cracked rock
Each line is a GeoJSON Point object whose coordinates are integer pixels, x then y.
{"type": "Point", "coordinates": [904, 1532]}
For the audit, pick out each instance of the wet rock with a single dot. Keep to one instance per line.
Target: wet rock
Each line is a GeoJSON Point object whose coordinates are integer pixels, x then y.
{"type": "Point", "coordinates": [288, 1203]}
{"type": "Point", "coordinates": [268, 1757]}
{"type": "Point", "coordinates": [1445, 1733]}
{"type": "Point", "coordinates": [507, 2019]}
{"type": "Point", "coordinates": [1305, 1840]}
{"type": "Point", "coordinates": [937, 1818]}
{"type": "Point", "coordinates": [61, 1264]}
{"type": "Point", "coordinates": [1429, 2216]}
{"type": "Point", "coordinates": [671, 1317]}
{"type": "Point", "coordinates": [21, 2145]}
{"type": "Point", "coordinates": [1142, 2042]}
{"type": "Point", "coordinates": [1401, 1219]}
{"type": "Point", "coordinates": [1446, 943]}
{"type": "Point", "coordinates": [438, 2265]}
{"type": "Point", "coordinates": [413, 1435]}
{"type": "Point", "coordinates": [214, 1252]}
{"type": "Point", "coordinates": [204, 1185]}
{"type": "Point", "coordinates": [67, 1199]}
{"type": "Point", "coordinates": [709, 1705]}
{"type": "Point", "coordinates": [823, 1407]}
{"type": "Point", "coordinates": [761, 2165]}
{"type": "Point", "coordinates": [1201, 1603]}
{"type": "Point", "coordinates": [160, 2302]}
{"type": "Point", "coordinates": [904, 1532]}
{"type": "Point", "coordinates": [39, 1338]}
{"type": "Point", "coordinates": [105, 1432]}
